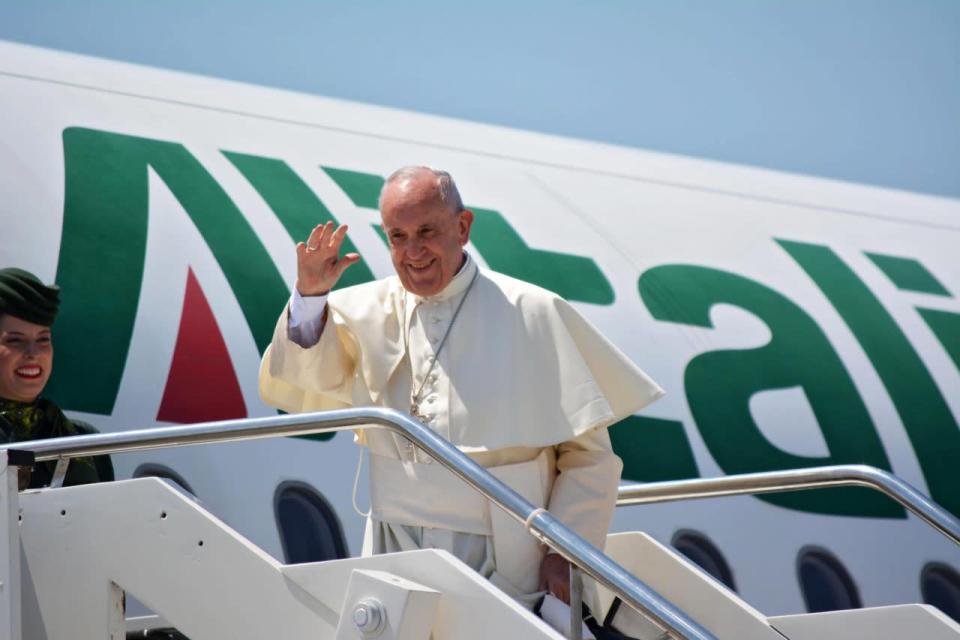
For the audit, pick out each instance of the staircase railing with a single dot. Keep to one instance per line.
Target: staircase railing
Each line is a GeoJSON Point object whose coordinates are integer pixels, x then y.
{"type": "Point", "coordinates": [856, 475]}
{"type": "Point", "coordinates": [538, 522]}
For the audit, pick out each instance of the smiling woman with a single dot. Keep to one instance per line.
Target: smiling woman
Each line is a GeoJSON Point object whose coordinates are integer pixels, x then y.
{"type": "Point", "coordinates": [28, 308]}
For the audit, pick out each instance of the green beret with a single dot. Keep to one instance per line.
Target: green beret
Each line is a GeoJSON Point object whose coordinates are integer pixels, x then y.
{"type": "Point", "coordinates": [24, 296]}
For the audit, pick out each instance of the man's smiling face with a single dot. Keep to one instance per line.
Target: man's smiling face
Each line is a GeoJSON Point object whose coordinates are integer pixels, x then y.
{"type": "Point", "coordinates": [426, 237]}
{"type": "Point", "coordinates": [26, 358]}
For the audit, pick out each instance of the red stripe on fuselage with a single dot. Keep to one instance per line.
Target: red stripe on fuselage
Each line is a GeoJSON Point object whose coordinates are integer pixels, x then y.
{"type": "Point", "coordinates": [202, 384]}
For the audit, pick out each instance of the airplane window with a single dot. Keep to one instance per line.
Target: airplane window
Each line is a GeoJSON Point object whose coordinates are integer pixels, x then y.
{"type": "Point", "coordinates": [825, 583]}
{"type": "Point", "coordinates": [309, 528]}
{"type": "Point", "coordinates": [702, 552]}
{"type": "Point", "coordinates": [152, 469]}
{"type": "Point", "coordinates": [940, 586]}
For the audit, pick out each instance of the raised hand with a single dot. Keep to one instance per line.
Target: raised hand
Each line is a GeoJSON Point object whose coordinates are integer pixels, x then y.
{"type": "Point", "coordinates": [318, 267]}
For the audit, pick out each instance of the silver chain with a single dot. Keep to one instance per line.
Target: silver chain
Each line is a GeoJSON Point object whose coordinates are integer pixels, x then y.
{"type": "Point", "coordinates": [417, 398]}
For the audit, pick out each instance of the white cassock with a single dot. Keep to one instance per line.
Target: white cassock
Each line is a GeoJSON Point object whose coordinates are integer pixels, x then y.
{"type": "Point", "coordinates": [524, 385]}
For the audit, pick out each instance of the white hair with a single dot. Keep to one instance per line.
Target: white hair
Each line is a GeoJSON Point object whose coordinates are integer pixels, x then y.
{"type": "Point", "coordinates": [445, 185]}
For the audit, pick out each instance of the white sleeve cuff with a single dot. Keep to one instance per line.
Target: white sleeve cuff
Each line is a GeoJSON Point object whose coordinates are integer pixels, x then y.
{"type": "Point", "coordinates": [305, 322]}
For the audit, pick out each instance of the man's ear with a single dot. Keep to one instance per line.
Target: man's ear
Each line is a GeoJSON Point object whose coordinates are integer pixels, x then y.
{"type": "Point", "coordinates": [465, 221]}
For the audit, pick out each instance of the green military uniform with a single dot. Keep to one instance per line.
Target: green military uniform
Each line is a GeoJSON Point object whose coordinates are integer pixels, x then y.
{"type": "Point", "coordinates": [21, 421]}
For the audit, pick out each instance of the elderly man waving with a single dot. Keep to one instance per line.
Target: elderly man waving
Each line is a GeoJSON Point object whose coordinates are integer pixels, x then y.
{"type": "Point", "coordinates": [508, 372]}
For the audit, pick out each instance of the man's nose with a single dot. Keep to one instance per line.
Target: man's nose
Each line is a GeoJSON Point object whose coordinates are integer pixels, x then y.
{"type": "Point", "coordinates": [414, 246]}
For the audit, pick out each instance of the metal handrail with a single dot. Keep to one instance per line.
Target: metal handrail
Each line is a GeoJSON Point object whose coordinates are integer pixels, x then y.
{"type": "Point", "coordinates": [858, 475]}
{"type": "Point", "coordinates": [539, 522]}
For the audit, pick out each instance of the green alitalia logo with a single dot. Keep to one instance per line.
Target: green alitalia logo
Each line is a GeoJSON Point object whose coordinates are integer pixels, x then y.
{"type": "Point", "coordinates": [101, 266]}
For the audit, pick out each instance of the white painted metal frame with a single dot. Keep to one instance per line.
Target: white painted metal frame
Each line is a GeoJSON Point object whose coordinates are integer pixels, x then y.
{"type": "Point", "coordinates": [9, 551]}
{"type": "Point", "coordinates": [540, 523]}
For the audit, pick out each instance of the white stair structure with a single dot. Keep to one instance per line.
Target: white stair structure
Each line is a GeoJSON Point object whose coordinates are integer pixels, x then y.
{"type": "Point", "coordinates": [725, 615]}
{"type": "Point", "coordinates": [68, 556]}
{"type": "Point", "coordinates": [880, 623]}
{"type": "Point", "coordinates": [682, 582]}
{"type": "Point", "coordinates": [83, 547]}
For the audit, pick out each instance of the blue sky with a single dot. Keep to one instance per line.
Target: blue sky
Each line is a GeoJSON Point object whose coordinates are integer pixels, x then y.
{"type": "Point", "coordinates": [866, 91]}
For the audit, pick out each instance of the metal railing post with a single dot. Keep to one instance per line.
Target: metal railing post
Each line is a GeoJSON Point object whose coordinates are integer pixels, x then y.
{"type": "Point", "coordinates": [576, 603]}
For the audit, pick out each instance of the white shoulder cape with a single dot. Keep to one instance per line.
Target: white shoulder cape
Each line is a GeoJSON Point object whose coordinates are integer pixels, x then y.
{"type": "Point", "coordinates": [526, 369]}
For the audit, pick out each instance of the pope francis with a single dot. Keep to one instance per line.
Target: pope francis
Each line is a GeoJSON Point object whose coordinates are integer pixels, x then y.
{"type": "Point", "coordinates": [507, 371]}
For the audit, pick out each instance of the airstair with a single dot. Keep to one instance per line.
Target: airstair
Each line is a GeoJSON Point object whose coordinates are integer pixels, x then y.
{"type": "Point", "coordinates": [68, 557]}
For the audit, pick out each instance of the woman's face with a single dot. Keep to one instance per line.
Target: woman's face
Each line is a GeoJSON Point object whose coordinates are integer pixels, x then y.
{"type": "Point", "coordinates": [26, 358]}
